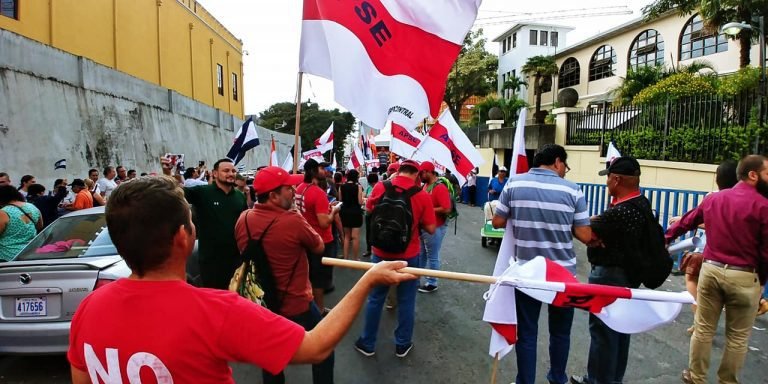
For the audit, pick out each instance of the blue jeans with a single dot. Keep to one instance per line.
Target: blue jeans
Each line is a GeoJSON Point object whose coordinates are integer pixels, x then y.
{"type": "Point", "coordinates": [429, 257]}
{"type": "Point", "coordinates": [406, 309]}
{"type": "Point", "coordinates": [322, 373]}
{"type": "Point", "coordinates": [608, 349]}
{"type": "Point", "coordinates": [560, 320]}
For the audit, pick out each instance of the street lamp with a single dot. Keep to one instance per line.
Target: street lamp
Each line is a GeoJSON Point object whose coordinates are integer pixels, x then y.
{"type": "Point", "coordinates": [471, 106]}
{"type": "Point", "coordinates": [733, 29]}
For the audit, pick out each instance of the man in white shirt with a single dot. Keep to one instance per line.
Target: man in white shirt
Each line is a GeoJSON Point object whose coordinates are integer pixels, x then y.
{"type": "Point", "coordinates": [472, 187]}
{"type": "Point", "coordinates": [192, 178]}
{"type": "Point", "coordinates": [107, 183]}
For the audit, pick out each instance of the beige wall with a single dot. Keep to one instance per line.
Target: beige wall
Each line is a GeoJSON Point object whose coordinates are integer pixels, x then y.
{"type": "Point", "coordinates": [670, 28]}
{"type": "Point", "coordinates": [585, 162]}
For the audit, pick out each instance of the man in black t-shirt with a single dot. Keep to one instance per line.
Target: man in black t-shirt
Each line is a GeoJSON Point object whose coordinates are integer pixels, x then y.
{"type": "Point", "coordinates": [619, 231]}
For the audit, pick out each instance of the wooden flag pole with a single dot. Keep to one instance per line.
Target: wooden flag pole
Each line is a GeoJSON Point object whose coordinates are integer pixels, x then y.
{"type": "Point", "coordinates": [297, 148]}
{"type": "Point", "coordinates": [495, 368]}
{"type": "Point", "coordinates": [468, 277]}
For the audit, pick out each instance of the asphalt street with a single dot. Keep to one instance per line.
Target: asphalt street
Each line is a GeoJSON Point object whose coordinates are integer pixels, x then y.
{"type": "Point", "coordinates": [451, 340]}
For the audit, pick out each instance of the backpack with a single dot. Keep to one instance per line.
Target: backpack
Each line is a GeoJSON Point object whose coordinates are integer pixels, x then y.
{"type": "Point", "coordinates": [651, 264]}
{"type": "Point", "coordinates": [451, 191]}
{"type": "Point", "coordinates": [392, 219]}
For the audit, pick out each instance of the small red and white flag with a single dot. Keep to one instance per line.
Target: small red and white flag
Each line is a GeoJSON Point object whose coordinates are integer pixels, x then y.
{"type": "Point", "coordinates": [373, 51]}
{"type": "Point", "coordinates": [325, 142]}
{"type": "Point", "coordinates": [622, 309]}
{"type": "Point", "coordinates": [356, 158]}
{"type": "Point", "coordinates": [519, 162]}
{"type": "Point", "coordinates": [403, 141]}
{"type": "Point", "coordinates": [451, 148]}
{"type": "Point", "coordinates": [273, 155]}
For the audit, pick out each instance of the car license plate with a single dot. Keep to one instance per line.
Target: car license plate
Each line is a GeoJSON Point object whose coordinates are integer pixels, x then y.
{"type": "Point", "coordinates": [31, 306]}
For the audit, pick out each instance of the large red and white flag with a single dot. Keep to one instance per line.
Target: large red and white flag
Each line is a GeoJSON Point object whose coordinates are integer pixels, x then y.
{"type": "Point", "coordinates": [273, 155]}
{"type": "Point", "coordinates": [356, 157]}
{"type": "Point", "coordinates": [622, 309]}
{"type": "Point", "coordinates": [451, 148]}
{"type": "Point", "coordinates": [519, 162]}
{"type": "Point", "coordinates": [325, 142]}
{"type": "Point", "coordinates": [374, 52]}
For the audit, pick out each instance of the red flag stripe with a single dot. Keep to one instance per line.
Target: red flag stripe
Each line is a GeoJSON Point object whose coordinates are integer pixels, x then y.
{"type": "Point", "coordinates": [400, 133]}
{"type": "Point", "coordinates": [507, 331]}
{"type": "Point", "coordinates": [394, 48]}
{"type": "Point", "coordinates": [462, 163]}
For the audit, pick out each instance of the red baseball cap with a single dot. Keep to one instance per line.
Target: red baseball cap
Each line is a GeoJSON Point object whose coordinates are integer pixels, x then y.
{"type": "Point", "coordinates": [427, 166]}
{"type": "Point", "coordinates": [393, 167]}
{"type": "Point", "coordinates": [412, 163]}
{"type": "Point", "coordinates": [270, 178]}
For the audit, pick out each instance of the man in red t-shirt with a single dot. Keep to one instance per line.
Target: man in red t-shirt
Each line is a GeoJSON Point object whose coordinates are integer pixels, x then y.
{"type": "Point", "coordinates": [286, 237]}
{"type": "Point", "coordinates": [431, 242]}
{"type": "Point", "coordinates": [312, 202]}
{"type": "Point", "coordinates": [424, 219]}
{"type": "Point", "coordinates": [154, 327]}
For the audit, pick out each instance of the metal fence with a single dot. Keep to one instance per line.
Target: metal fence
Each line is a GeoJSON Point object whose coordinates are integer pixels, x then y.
{"type": "Point", "coordinates": [702, 129]}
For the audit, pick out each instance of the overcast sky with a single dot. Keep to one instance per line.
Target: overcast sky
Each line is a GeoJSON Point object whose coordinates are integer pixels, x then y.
{"type": "Point", "coordinates": [270, 31]}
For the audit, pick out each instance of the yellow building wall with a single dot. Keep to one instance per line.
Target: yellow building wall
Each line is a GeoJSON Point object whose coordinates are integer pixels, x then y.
{"type": "Point", "coordinates": [172, 43]}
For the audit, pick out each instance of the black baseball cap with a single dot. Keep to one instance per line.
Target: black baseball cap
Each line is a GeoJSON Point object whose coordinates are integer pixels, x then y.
{"type": "Point", "coordinates": [77, 183]}
{"type": "Point", "coordinates": [625, 165]}
{"type": "Point", "coordinates": [312, 164]}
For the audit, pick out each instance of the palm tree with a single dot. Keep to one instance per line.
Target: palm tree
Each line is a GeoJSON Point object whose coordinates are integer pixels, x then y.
{"type": "Point", "coordinates": [715, 14]}
{"type": "Point", "coordinates": [542, 68]}
{"type": "Point", "coordinates": [514, 84]}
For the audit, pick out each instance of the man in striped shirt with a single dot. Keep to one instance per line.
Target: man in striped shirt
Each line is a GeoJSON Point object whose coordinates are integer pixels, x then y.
{"type": "Point", "coordinates": [546, 211]}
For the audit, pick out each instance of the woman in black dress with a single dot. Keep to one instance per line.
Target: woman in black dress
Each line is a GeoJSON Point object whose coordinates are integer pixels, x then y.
{"type": "Point", "coordinates": [351, 213]}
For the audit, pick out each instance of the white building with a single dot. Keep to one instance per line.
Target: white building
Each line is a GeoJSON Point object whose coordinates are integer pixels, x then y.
{"type": "Point", "coordinates": [523, 41]}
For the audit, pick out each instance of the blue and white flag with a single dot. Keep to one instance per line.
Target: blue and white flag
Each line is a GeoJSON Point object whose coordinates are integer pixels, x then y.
{"type": "Point", "coordinates": [246, 138]}
{"type": "Point", "coordinates": [611, 154]}
{"type": "Point", "coordinates": [288, 163]}
{"type": "Point", "coordinates": [61, 164]}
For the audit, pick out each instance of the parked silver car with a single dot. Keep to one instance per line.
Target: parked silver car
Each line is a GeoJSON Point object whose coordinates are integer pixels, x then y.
{"type": "Point", "coordinates": [43, 286]}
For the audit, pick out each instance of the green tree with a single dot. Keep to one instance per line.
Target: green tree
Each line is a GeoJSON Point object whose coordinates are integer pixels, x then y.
{"type": "Point", "coordinates": [542, 68]}
{"type": "Point", "coordinates": [314, 121]}
{"type": "Point", "coordinates": [640, 78]}
{"type": "Point", "coordinates": [514, 84]}
{"type": "Point", "coordinates": [473, 73]}
{"type": "Point", "coordinates": [715, 14]}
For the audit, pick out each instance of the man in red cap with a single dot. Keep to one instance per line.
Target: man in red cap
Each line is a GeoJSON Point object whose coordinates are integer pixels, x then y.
{"type": "Point", "coordinates": [431, 242]}
{"type": "Point", "coordinates": [391, 170]}
{"type": "Point", "coordinates": [286, 237]}
{"type": "Point", "coordinates": [423, 218]}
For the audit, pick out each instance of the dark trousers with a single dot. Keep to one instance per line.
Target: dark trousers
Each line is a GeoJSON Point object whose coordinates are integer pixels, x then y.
{"type": "Point", "coordinates": [322, 373]}
{"type": "Point", "coordinates": [472, 194]}
{"type": "Point", "coordinates": [560, 320]}
{"type": "Point", "coordinates": [608, 349]}
{"type": "Point", "coordinates": [368, 232]}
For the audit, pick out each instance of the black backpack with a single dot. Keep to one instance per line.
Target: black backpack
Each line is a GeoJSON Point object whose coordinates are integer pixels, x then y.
{"type": "Point", "coordinates": [392, 219]}
{"type": "Point", "coordinates": [651, 264]}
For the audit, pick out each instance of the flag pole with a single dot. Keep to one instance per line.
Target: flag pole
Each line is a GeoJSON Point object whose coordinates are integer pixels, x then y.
{"type": "Point", "coordinates": [495, 368]}
{"type": "Point", "coordinates": [469, 277]}
{"type": "Point", "coordinates": [298, 122]}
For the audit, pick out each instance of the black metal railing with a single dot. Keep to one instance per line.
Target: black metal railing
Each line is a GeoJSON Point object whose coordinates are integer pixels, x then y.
{"type": "Point", "coordinates": [696, 129]}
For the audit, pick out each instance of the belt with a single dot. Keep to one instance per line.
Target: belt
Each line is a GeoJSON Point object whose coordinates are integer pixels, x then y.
{"type": "Point", "coordinates": [730, 266]}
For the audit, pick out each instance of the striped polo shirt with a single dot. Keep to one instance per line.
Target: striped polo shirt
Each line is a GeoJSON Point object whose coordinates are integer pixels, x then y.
{"type": "Point", "coordinates": [542, 208]}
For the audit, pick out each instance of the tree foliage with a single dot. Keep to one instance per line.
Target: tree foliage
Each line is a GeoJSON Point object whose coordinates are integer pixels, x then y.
{"type": "Point", "coordinates": [473, 73]}
{"type": "Point", "coordinates": [314, 121]}
{"type": "Point", "coordinates": [715, 14]}
{"type": "Point", "coordinates": [509, 107]}
{"type": "Point", "coordinates": [640, 78]}
{"type": "Point", "coordinates": [541, 68]}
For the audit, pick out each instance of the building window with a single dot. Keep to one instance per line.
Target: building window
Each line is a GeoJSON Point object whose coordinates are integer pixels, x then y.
{"type": "Point", "coordinates": [9, 8]}
{"type": "Point", "coordinates": [509, 43]}
{"type": "Point", "coordinates": [504, 46]}
{"type": "Point", "coordinates": [697, 41]}
{"type": "Point", "coordinates": [544, 38]}
{"type": "Point", "coordinates": [234, 86]}
{"type": "Point", "coordinates": [601, 65]}
{"type": "Point", "coordinates": [534, 37]}
{"type": "Point", "coordinates": [514, 40]}
{"type": "Point", "coordinates": [553, 37]}
{"type": "Point", "coordinates": [646, 50]}
{"type": "Point", "coordinates": [570, 73]}
{"type": "Point", "coordinates": [220, 79]}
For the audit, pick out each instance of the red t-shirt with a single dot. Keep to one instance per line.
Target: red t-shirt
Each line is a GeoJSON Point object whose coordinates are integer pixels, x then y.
{"type": "Point", "coordinates": [441, 198]}
{"type": "Point", "coordinates": [169, 331]}
{"type": "Point", "coordinates": [423, 215]}
{"type": "Point", "coordinates": [311, 200]}
{"type": "Point", "coordinates": [285, 243]}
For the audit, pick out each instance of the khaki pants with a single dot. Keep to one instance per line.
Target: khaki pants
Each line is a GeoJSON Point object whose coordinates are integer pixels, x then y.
{"type": "Point", "coordinates": [738, 292]}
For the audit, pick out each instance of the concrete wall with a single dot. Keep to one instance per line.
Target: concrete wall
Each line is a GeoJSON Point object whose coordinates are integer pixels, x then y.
{"type": "Point", "coordinates": [54, 105]}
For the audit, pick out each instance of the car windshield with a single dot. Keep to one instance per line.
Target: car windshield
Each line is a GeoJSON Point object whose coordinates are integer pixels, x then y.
{"type": "Point", "coordinates": [71, 237]}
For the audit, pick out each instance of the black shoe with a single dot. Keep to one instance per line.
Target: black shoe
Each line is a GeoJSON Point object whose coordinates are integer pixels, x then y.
{"type": "Point", "coordinates": [427, 288]}
{"type": "Point", "coordinates": [363, 350]}
{"type": "Point", "coordinates": [402, 350]}
{"type": "Point", "coordinates": [329, 290]}
{"type": "Point", "coordinates": [579, 380]}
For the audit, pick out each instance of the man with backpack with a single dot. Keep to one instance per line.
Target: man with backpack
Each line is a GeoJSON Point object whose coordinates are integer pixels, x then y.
{"type": "Point", "coordinates": [622, 237]}
{"type": "Point", "coordinates": [438, 190]}
{"type": "Point", "coordinates": [399, 210]}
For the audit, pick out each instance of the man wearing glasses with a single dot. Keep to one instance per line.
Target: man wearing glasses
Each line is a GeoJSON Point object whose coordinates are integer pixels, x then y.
{"type": "Point", "coordinates": [545, 212]}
